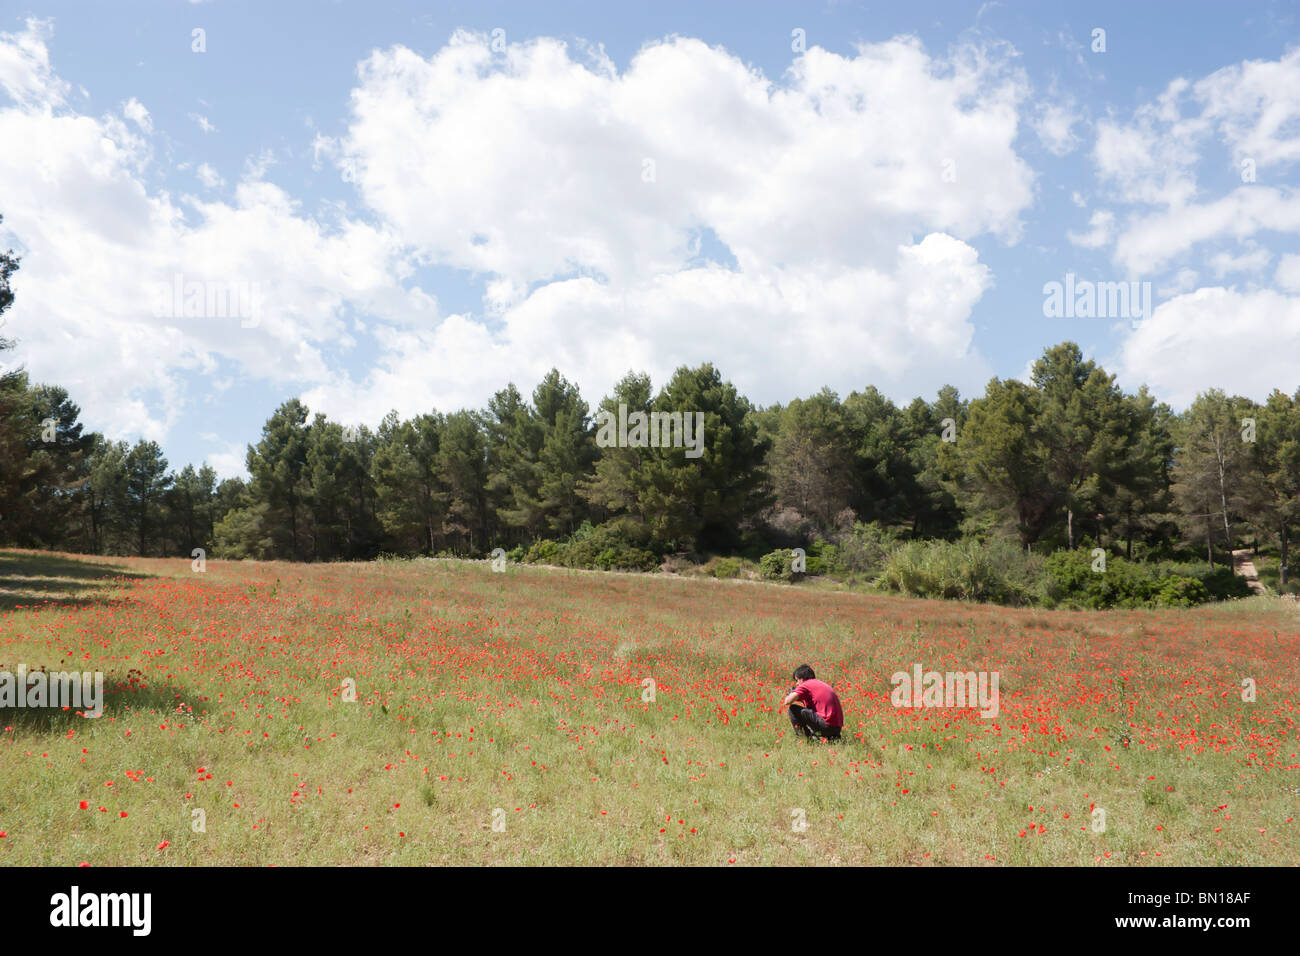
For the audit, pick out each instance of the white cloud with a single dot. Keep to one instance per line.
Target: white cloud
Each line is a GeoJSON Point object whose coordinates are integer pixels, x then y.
{"type": "Point", "coordinates": [1101, 228]}
{"type": "Point", "coordinates": [1288, 273]}
{"type": "Point", "coordinates": [255, 167]}
{"type": "Point", "coordinates": [526, 170]}
{"type": "Point", "coordinates": [25, 70]}
{"type": "Point", "coordinates": [904, 329]}
{"type": "Point", "coordinates": [230, 463]}
{"type": "Point", "coordinates": [530, 169]}
{"type": "Point", "coordinates": [1242, 342]}
{"type": "Point", "coordinates": [530, 165]}
{"type": "Point", "coordinates": [1183, 281]}
{"type": "Point", "coordinates": [1256, 108]}
{"type": "Point", "coordinates": [208, 176]}
{"type": "Point", "coordinates": [1151, 242]}
{"type": "Point", "coordinates": [97, 243]}
{"type": "Point", "coordinates": [134, 110]}
{"type": "Point", "coordinates": [1250, 109]}
{"type": "Point", "coordinates": [1054, 125]}
{"type": "Point", "coordinates": [1149, 160]}
{"type": "Point", "coordinates": [1255, 260]}
{"type": "Point", "coordinates": [322, 148]}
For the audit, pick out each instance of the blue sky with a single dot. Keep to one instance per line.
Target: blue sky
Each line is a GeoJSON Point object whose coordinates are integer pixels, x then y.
{"type": "Point", "coordinates": [431, 203]}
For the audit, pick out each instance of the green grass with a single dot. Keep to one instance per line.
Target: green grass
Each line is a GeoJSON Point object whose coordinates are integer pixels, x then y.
{"type": "Point", "coordinates": [521, 693]}
{"type": "Point", "coordinates": [30, 578]}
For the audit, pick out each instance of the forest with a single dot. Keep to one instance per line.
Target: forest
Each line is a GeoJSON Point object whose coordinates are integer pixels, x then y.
{"type": "Point", "coordinates": [1065, 462]}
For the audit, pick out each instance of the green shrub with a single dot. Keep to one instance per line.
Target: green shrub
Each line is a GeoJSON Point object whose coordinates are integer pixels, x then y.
{"type": "Point", "coordinates": [585, 531]}
{"type": "Point", "coordinates": [542, 552]}
{"type": "Point", "coordinates": [1175, 591]}
{"type": "Point", "coordinates": [1069, 579]}
{"type": "Point", "coordinates": [903, 570]}
{"type": "Point", "coordinates": [968, 570]}
{"type": "Point", "coordinates": [605, 547]}
{"type": "Point", "coordinates": [726, 568]}
{"type": "Point", "coordinates": [778, 566]}
{"type": "Point", "coordinates": [1015, 571]}
{"type": "Point", "coordinates": [823, 558]}
{"type": "Point", "coordinates": [865, 549]}
{"type": "Point", "coordinates": [1067, 576]}
{"type": "Point", "coordinates": [1220, 582]}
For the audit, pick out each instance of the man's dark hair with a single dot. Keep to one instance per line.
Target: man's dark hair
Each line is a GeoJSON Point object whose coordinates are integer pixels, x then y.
{"type": "Point", "coordinates": [803, 672]}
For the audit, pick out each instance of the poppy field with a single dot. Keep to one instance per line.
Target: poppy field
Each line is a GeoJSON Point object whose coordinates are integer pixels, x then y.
{"type": "Point", "coordinates": [422, 712]}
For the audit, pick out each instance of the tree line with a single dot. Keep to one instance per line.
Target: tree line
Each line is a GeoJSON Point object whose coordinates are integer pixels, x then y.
{"type": "Point", "coordinates": [1065, 460]}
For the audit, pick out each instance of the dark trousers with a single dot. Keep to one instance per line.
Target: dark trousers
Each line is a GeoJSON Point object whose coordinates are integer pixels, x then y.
{"type": "Point", "coordinates": [805, 720]}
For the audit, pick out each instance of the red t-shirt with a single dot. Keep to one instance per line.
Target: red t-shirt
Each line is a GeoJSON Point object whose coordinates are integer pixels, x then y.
{"type": "Point", "coordinates": [821, 697]}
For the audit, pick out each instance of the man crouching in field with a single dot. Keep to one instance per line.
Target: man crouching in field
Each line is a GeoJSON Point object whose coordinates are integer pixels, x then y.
{"type": "Point", "coordinates": [814, 706]}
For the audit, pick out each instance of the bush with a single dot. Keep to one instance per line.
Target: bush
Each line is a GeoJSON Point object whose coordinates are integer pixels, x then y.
{"type": "Point", "coordinates": [903, 571]}
{"type": "Point", "coordinates": [605, 547]}
{"type": "Point", "coordinates": [823, 558]}
{"type": "Point", "coordinates": [1175, 591]}
{"type": "Point", "coordinates": [968, 570]}
{"type": "Point", "coordinates": [677, 564]}
{"type": "Point", "coordinates": [727, 568]}
{"type": "Point", "coordinates": [865, 549]}
{"type": "Point", "coordinates": [542, 552]}
{"type": "Point", "coordinates": [1069, 578]}
{"type": "Point", "coordinates": [1017, 570]}
{"type": "Point", "coordinates": [778, 566]}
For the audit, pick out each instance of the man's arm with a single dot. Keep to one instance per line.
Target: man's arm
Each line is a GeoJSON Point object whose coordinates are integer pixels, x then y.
{"type": "Point", "coordinates": [790, 698]}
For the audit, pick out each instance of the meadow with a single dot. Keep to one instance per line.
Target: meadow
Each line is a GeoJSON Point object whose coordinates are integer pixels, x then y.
{"type": "Point", "coordinates": [550, 716]}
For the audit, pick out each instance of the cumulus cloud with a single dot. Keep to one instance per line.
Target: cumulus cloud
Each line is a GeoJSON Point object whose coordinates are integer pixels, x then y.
{"type": "Point", "coordinates": [533, 165]}
{"type": "Point", "coordinates": [1152, 158]}
{"type": "Point", "coordinates": [1242, 342]}
{"type": "Point", "coordinates": [1252, 109]}
{"type": "Point", "coordinates": [1255, 105]}
{"type": "Point", "coordinates": [1153, 241]}
{"type": "Point", "coordinates": [844, 195]}
{"type": "Point", "coordinates": [99, 246]}
{"type": "Point", "coordinates": [906, 326]}
{"type": "Point", "coordinates": [1240, 123]}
